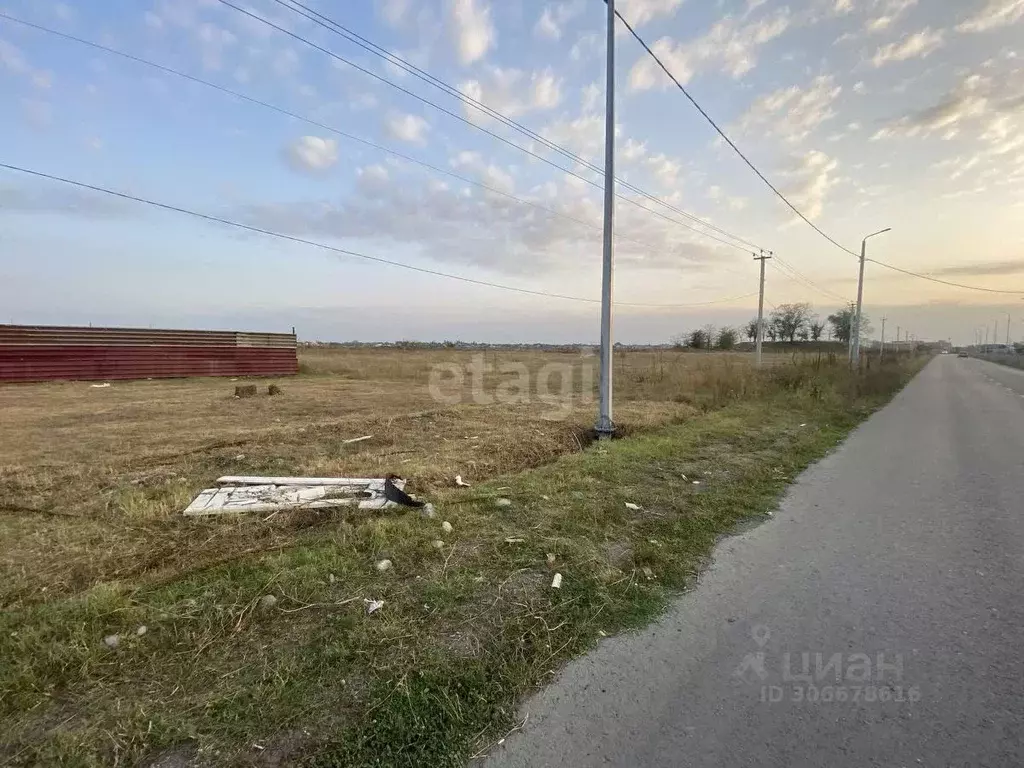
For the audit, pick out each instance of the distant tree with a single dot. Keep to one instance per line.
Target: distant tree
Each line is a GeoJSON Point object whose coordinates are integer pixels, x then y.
{"type": "Point", "coordinates": [697, 339]}
{"type": "Point", "coordinates": [727, 338]}
{"type": "Point", "coordinates": [679, 340]}
{"type": "Point", "coordinates": [750, 330]}
{"type": "Point", "coordinates": [804, 334]}
{"type": "Point", "coordinates": [817, 328]}
{"type": "Point", "coordinates": [710, 334]}
{"type": "Point", "coordinates": [789, 319]}
{"type": "Point", "coordinates": [843, 320]}
{"type": "Point", "coordinates": [771, 330]}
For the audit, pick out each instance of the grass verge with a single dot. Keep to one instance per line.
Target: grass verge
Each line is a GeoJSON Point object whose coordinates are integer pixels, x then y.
{"type": "Point", "coordinates": [207, 672]}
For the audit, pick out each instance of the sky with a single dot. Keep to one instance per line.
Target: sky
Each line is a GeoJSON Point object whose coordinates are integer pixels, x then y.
{"type": "Point", "coordinates": [865, 114]}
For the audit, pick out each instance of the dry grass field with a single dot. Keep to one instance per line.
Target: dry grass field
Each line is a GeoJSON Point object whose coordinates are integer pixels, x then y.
{"type": "Point", "coordinates": [93, 543]}
{"type": "Point", "coordinates": [93, 480]}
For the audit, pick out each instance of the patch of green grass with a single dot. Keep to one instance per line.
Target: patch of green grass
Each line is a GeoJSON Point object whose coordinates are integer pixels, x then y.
{"type": "Point", "coordinates": [466, 629]}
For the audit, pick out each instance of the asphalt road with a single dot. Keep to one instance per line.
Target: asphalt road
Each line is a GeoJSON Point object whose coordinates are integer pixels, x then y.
{"type": "Point", "coordinates": [907, 544]}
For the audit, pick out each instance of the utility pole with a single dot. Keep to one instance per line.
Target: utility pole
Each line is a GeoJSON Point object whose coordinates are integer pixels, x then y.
{"type": "Point", "coordinates": [605, 426]}
{"type": "Point", "coordinates": [855, 349]}
{"type": "Point", "coordinates": [986, 334]}
{"type": "Point", "coordinates": [1007, 329]}
{"type": "Point", "coordinates": [897, 340]}
{"type": "Point", "coordinates": [881, 348]}
{"type": "Point", "coordinates": [760, 308]}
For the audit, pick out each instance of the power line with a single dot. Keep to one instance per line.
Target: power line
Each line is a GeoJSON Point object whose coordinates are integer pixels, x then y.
{"type": "Point", "coordinates": [323, 126]}
{"type": "Point", "coordinates": [729, 141]}
{"type": "Point", "coordinates": [368, 45]}
{"type": "Point", "coordinates": [343, 251]}
{"type": "Point", "coordinates": [943, 282]}
{"type": "Point", "coordinates": [466, 121]}
{"type": "Point", "coordinates": [794, 273]}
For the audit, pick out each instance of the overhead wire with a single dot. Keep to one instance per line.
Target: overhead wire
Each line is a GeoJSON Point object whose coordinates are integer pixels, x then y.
{"type": "Point", "coordinates": [787, 268]}
{"type": "Point", "coordinates": [368, 45]}
{"type": "Point", "coordinates": [775, 189]}
{"type": "Point", "coordinates": [468, 122]}
{"type": "Point", "coordinates": [323, 126]}
{"type": "Point", "coordinates": [344, 251]}
{"type": "Point", "coordinates": [943, 282]}
{"type": "Point", "coordinates": [726, 138]}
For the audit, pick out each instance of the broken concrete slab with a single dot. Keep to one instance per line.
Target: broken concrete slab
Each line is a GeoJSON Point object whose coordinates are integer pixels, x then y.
{"type": "Point", "coordinates": [273, 494]}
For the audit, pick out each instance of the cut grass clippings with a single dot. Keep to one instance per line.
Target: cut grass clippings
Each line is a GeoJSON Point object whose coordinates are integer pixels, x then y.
{"type": "Point", "coordinates": [221, 677]}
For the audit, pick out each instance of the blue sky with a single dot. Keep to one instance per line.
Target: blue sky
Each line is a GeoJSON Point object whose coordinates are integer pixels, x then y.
{"type": "Point", "coordinates": [866, 113]}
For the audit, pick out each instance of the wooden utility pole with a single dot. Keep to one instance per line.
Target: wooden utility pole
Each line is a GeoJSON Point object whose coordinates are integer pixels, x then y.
{"type": "Point", "coordinates": [760, 308]}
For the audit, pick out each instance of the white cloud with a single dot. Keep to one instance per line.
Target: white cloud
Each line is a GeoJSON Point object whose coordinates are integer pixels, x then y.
{"type": "Point", "coordinates": [213, 42]}
{"type": "Point", "coordinates": [730, 44]}
{"type": "Point", "coordinates": [409, 128]}
{"type": "Point", "coordinates": [312, 154]}
{"type": "Point", "coordinates": [547, 27]}
{"type": "Point", "coordinates": [591, 97]}
{"type": "Point", "coordinates": [632, 150]}
{"type": "Point", "coordinates": [14, 61]}
{"type": "Point", "coordinates": [792, 113]}
{"type": "Point", "coordinates": [487, 173]}
{"type": "Point", "coordinates": [461, 225]}
{"type": "Point", "coordinates": [638, 12]}
{"type": "Point", "coordinates": [584, 135]}
{"type": "Point", "coordinates": [918, 45]}
{"type": "Point", "coordinates": [969, 99]}
{"type": "Point", "coordinates": [811, 178]}
{"type": "Point", "coordinates": [513, 92]}
{"type": "Point", "coordinates": [664, 168]}
{"type": "Point", "coordinates": [393, 12]}
{"type": "Point", "coordinates": [892, 11]}
{"type": "Point", "coordinates": [586, 46]}
{"type": "Point", "coordinates": [472, 28]}
{"type": "Point", "coordinates": [995, 13]}
{"type": "Point", "coordinates": [860, 88]}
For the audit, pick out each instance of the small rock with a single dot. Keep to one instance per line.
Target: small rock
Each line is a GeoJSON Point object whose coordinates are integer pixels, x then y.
{"type": "Point", "coordinates": [556, 582]}
{"type": "Point", "coordinates": [503, 503]}
{"type": "Point", "coordinates": [546, 498]}
{"type": "Point", "coordinates": [551, 558]}
{"type": "Point", "coordinates": [331, 578]}
{"type": "Point", "coordinates": [428, 511]}
{"type": "Point", "coordinates": [633, 507]}
{"type": "Point", "coordinates": [142, 630]}
{"type": "Point", "coordinates": [438, 544]}
{"type": "Point", "coordinates": [696, 482]}
{"type": "Point", "coordinates": [770, 513]}
{"type": "Point", "coordinates": [647, 572]}
{"type": "Point", "coordinates": [383, 565]}
{"type": "Point", "coordinates": [239, 457]}
{"type": "Point", "coordinates": [112, 641]}
{"type": "Point", "coordinates": [602, 633]}
{"type": "Point", "coordinates": [446, 527]}
{"type": "Point", "coordinates": [267, 602]}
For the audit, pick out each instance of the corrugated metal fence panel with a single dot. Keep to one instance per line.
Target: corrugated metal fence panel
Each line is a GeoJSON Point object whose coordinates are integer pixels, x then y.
{"type": "Point", "coordinates": [44, 354]}
{"type": "Point", "coordinates": [37, 335]}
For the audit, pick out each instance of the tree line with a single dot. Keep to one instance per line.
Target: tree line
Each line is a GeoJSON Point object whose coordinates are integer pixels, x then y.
{"type": "Point", "coordinates": [790, 323]}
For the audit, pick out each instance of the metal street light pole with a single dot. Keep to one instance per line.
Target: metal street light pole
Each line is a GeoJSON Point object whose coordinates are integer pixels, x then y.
{"type": "Point", "coordinates": [605, 426]}
{"type": "Point", "coordinates": [855, 354]}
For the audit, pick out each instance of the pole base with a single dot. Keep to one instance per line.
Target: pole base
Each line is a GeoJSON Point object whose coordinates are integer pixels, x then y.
{"type": "Point", "coordinates": [605, 429]}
